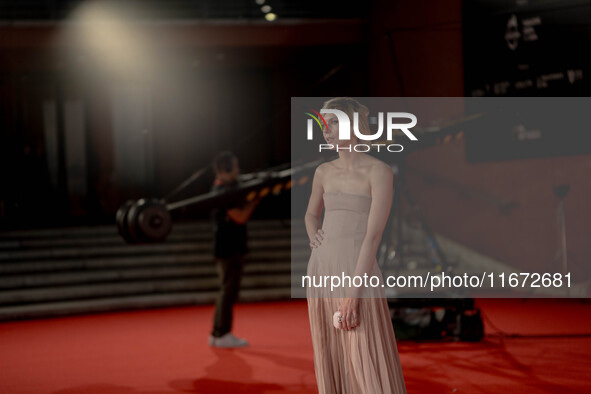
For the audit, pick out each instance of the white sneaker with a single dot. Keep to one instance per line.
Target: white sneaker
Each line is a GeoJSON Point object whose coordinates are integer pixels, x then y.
{"type": "Point", "coordinates": [227, 341]}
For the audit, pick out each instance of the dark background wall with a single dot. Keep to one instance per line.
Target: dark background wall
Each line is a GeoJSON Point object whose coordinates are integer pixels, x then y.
{"type": "Point", "coordinates": [228, 87]}
{"type": "Point", "coordinates": [427, 38]}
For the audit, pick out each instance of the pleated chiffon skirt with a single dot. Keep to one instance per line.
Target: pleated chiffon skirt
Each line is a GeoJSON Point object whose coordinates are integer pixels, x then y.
{"type": "Point", "coordinates": [365, 359]}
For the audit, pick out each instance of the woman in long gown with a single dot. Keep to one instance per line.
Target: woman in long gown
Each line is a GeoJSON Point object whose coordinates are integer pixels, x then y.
{"type": "Point", "coordinates": [356, 190]}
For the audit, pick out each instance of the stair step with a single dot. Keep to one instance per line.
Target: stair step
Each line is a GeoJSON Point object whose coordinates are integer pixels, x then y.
{"type": "Point", "coordinates": [24, 296]}
{"type": "Point", "coordinates": [111, 304]}
{"type": "Point", "coordinates": [91, 231]}
{"type": "Point", "coordinates": [115, 240]}
{"type": "Point", "coordinates": [54, 272]}
{"type": "Point", "coordinates": [115, 275]}
{"type": "Point", "coordinates": [124, 249]}
{"type": "Point", "coordinates": [51, 265]}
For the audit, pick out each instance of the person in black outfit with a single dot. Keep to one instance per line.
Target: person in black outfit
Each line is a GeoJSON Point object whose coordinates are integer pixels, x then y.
{"type": "Point", "coordinates": [230, 248]}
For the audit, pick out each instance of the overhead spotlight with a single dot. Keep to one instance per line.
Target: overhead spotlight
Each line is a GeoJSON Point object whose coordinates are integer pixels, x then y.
{"type": "Point", "coordinates": [270, 16]}
{"type": "Point", "coordinates": [259, 2]}
{"type": "Point", "coordinates": [266, 8]}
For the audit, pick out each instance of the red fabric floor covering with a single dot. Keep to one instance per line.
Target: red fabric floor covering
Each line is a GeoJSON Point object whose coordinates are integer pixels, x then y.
{"type": "Point", "coordinates": [166, 351]}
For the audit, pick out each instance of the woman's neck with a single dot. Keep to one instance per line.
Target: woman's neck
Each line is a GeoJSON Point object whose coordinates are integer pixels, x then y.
{"type": "Point", "coordinates": [349, 160]}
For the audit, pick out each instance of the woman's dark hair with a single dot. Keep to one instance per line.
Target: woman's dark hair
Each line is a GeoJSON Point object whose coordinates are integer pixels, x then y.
{"type": "Point", "coordinates": [224, 161]}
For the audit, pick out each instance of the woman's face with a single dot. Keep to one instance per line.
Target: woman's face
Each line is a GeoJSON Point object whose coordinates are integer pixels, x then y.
{"type": "Point", "coordinates": [331, 135]}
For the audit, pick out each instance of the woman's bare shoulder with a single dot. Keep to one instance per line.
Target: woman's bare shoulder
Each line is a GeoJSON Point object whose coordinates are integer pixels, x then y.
{"type": "Point", "coordinates": [321, 173]}
{"type": "Point", "coordinates": [381, 172]}
{"type": "Point", "coordinates": [326, 166]}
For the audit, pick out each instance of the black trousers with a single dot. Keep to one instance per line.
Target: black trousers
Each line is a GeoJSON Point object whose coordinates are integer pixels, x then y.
{"type": "Point", "coordinates": [230, 274]}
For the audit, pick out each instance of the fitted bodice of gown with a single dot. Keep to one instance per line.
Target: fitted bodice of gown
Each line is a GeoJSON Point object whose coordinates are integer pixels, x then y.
{"type": "Point", "coordinates": [344, 226]}
{"type": "Point", "coordinates": [345, 214]}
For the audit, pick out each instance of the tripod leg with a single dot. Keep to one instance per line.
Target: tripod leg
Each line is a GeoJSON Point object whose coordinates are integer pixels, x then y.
{"type": "Point", "coordinates": [399, 226]}
{"type": "Point", "coordinates": [562, 229]}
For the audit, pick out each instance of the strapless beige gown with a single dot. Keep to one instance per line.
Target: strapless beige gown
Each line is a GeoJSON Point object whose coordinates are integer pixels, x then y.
{"type": "Point", "coordinates": [363, 360]}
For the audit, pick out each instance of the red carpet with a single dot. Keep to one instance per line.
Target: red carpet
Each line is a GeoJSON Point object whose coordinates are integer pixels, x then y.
{"type": "Point", "coordinates": [165, 351]}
